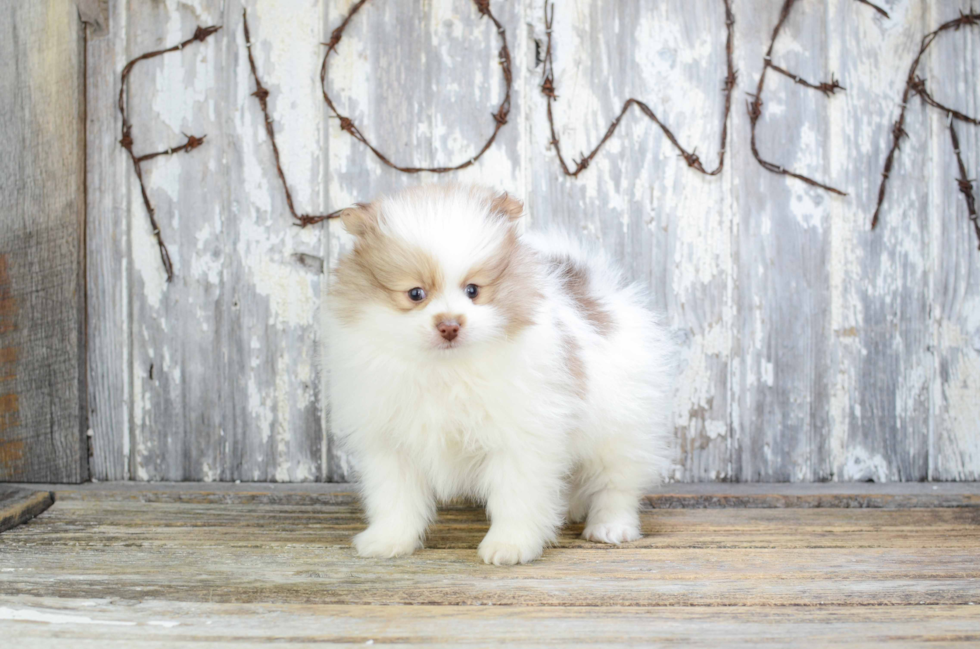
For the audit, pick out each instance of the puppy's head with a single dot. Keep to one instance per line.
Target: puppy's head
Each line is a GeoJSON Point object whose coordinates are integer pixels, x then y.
{"type": "Point", "coordinates": [436, 269]}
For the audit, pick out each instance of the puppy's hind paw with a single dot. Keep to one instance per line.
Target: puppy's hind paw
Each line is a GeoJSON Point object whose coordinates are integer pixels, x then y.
{"type": "Point", "coordinates": [614, 533]}
{"type": "Point", "coordinates": [383, 544]}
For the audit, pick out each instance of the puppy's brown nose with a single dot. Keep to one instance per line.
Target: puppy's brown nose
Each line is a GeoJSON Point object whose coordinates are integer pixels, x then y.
{"type": "Point", "coordinates": [448, 329]}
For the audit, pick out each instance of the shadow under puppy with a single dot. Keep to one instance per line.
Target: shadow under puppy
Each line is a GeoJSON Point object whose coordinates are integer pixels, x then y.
{"type": "Point", "coordinates": [467, 359]}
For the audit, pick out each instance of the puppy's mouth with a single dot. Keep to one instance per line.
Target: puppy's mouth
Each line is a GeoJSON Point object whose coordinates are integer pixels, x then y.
{"type": "Point", "coordinates": [449, 344]}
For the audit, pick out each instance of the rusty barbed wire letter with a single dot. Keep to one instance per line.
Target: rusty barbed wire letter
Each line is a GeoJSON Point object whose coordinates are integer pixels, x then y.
{"type": "Point", "coordinates": [262, 95]}
{"type": "Point", "coordinates": [549, 89]}
{"type": "Point", "coordinates": [192, 142]}
{"type": "Point", "coordinates": [916, 86]}
{"type": "Point", "coordinates": [828, 88]}
{"type": "Point", "coordinates": [499, 117]}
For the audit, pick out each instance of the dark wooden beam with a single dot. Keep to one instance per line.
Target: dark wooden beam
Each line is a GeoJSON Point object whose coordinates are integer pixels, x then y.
{"type": "Point", "coordinates": [42, 198]}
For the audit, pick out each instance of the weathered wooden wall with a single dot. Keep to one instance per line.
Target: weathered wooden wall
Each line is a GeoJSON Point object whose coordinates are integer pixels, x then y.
{"type": "Point", "coordinates": [814, 349]}
{"type": "Point", "coordinates": [42, 289]}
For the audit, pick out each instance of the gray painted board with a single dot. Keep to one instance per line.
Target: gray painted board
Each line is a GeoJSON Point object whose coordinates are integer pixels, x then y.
{"type": "Point", "coordinates": [42, 185]}
{"type": "Point", "coordinates": [955, 384]}
{"type": "Point", "coordinates": [107, 228]}
{"type": "Point", "coordinates": [813, 348]}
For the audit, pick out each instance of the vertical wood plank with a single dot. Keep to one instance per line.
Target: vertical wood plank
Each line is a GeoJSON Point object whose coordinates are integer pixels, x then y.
{"type": "Point", "coordinates": [273, 268]}
{"type": "Point", "coordinates": [782, 251]}
{"type": "Point", "coordinates": [953, 64]}
{"type": "Point", "coordinates": [177, 352]}
{"type": "Point", "coordinates": [107, 254]}
{"type": "Point", "coordinates": [877, 354]}
{"type": "Point", "coordinates": [224, 358]}
{"type": "Point", "coordinates": [666, 225]}
{"type": "Point", "coordinates": [42, 289]}
{"type": "Point", "coordinates": [421, 81]}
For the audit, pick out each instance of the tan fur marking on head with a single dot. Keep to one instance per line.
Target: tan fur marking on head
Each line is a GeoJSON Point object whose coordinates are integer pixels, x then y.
{"type": "Point", "coordinates": [575, 280]}
{"type": "Point", "coordinates": [383, 269]}
{"type": "Point", "coordinates": [360, 218]}
{"type": "Point", "coordinates": [507, 206]}
{"type": "Point", "coordinates": [574, 362]}
{"type": "Point", "coordinates": [507, 280]}
{"type": "Point", "coordinates": [458, 318]}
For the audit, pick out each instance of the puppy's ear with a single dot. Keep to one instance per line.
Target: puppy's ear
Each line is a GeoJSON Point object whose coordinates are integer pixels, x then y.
{"type": "Point", "coordinates": [506, 206]}
{"type": "Point", "coordinates": [360, 219]}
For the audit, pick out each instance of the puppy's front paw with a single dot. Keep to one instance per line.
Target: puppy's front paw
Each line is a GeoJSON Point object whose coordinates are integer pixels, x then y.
{"type": "Point", "coordinates": [615, 532]}
{"type": "Point", "coordinates": [498, 550]}
{"type": "Point", "coordinates": [384, 544]}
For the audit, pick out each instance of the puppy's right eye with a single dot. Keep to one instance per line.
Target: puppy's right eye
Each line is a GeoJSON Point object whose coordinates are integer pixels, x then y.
{"type": "Point", "coordinates": [416, 294]}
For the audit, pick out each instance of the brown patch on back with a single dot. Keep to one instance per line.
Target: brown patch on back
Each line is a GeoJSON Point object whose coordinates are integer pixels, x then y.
{"type": "Point", "coordinates": [508, 281]}
{"type": "Point", "coordinates": [575, 280]}
{"type": "Point", "coordinates": [574, 362]}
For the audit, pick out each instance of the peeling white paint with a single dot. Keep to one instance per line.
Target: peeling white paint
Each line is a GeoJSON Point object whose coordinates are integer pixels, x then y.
{"type": "Point", "coordinates": [146, 255]}
{"type": "Point", "coordinates": [290, 293]}
{"type": "Point", "coordinates": [702, 240]}
{"type": "Point", "coordinates": [862, 466]}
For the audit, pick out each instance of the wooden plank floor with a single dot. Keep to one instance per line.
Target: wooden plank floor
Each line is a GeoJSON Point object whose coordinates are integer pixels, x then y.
{"type": "Point", "coordinates": [127, 568]}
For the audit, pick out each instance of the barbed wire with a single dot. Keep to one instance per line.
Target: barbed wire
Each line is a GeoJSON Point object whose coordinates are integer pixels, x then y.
{"type": "Point", "coordinates": [964, 183]}
{"type": "Point", "coordinates": [915, 85]}
{"type": "Point", "coordinates": [499, 117]}
{"type": "Point", "coordinates": [548, 89]}
{"type": "Point", "coordinates": [262, 95]}
{"type": "Point", "coordinates": [828, 88]}
{"type": "Point", "coordinates": [200, 35]}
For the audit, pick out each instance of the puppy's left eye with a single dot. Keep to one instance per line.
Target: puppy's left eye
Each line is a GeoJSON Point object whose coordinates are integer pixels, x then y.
{"type": "Point", "coordinates": [472, 290]}
{"type": "Point", "coordinates": [417, 294]}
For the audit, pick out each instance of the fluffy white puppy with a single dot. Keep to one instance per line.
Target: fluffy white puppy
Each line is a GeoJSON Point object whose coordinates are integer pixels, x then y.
{"type": "Point", "coordinates": [465, 359]}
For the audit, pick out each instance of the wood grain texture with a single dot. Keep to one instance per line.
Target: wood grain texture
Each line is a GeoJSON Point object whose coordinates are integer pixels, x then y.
{"type": "Point", "coordinates": [44, 622]}
{"type": "Point", "coordinates": [861, 495]}
{"type": "Point", "coordinates": [107, 567]}
{"type": "Point", "coordinates": [107, 259]}
{"type": "Point", "coordinates": [877, 359]}
{"type": "Point", "coordinates": [42, 289]}
{"type": "Point", "coordinates": [212, 377]}
{"type": "Point", "coordinates": [813, 349]}
{"type": "Point", "coordinates": [301, 554]}
{"type": "Point", "coordinates": [956, 259]}
{"type": "Point", "coordinates": [19, 505]}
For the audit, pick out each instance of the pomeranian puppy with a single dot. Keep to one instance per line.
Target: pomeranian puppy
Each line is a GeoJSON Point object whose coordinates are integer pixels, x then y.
{"type": "Point", "coordinates": [466, 359]}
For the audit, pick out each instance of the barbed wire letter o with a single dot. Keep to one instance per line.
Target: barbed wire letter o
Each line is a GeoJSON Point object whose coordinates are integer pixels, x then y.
{"type": "Point", "coordinates": [499, 117]}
